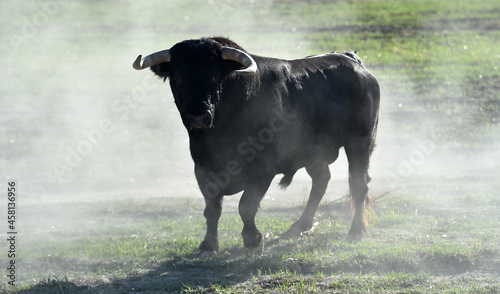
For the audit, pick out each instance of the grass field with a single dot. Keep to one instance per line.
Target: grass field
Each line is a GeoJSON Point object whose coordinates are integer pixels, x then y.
{"type": "Point", "coordinates": [108, 202]}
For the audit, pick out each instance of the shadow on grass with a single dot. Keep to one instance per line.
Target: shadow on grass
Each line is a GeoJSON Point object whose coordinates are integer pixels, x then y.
{"type": "Point", "coordinates": [323, 251]}
{"type": "Point", "coordinates": [234, 268]}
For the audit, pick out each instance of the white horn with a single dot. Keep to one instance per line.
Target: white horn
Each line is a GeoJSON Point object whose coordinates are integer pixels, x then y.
{"type": "Point", "coordinates": [152, 59]}
{"type": "Point", "coordinates": [229, 53]}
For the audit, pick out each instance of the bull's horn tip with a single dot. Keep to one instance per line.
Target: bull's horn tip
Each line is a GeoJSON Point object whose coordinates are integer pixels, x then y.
{"type": "Point", "coordinates": [137, 62]}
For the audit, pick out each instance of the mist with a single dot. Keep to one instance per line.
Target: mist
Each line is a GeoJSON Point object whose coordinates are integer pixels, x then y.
{"type": "Point", "coordinates": [79, 125]}
{"type": "Point", "coordinates": [78, 113]}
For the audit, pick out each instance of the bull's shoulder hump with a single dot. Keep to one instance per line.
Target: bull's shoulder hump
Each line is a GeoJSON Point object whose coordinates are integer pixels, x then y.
{"type": "Point", "coordinates": [347, 55]}
{"type": "Point", "coordinates": [272, 65]}
{"type": "Point", "coordinates": [322, 63]}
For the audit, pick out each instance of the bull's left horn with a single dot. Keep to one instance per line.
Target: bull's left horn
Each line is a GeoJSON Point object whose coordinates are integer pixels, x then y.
{"type": "Point", "coordinates": [229, 53]}
{"type": "Point", "coordinates": [152, 59]}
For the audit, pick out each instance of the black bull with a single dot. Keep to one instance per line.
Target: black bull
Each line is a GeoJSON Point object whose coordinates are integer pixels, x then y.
{"type": "Point", "coordinates": [250, 118]}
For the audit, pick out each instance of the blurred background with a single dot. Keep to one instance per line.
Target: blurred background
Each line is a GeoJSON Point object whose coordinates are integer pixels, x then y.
{"type": "Point", "coordinates": [77, 119]}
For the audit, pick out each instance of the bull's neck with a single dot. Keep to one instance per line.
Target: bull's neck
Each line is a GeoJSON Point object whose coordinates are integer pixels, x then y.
{"type": "Point", "coordinates": [201, 144]}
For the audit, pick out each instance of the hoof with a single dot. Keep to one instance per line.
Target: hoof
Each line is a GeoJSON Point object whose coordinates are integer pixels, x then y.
{"type": "Point", "coordinates": [205, 254]}
{"type": "Point", "coordinates": [356, 232]}
{"type": "Point", "coordinates": [204, 251]}
{"type": "Point", "coordinates": [293, 232]}
{"type": "Point", "coordinates": [297, 230]}
{"type": "Point", "coordinates": [354, 238]}
{"type": "Point", "coordinates": [256, 250]}
{"type": "Point", "coordinates": [253, 241]}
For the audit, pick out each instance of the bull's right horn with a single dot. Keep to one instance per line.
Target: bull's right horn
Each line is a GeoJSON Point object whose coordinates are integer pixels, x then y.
{"type": "Point", "coordinates": [243, 58]}
{"type": "Point", "coordinates": [152, 59]}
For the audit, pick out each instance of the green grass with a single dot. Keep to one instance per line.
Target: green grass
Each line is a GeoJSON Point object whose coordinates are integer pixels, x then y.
{"type": "Point", "coordinates": [401, 251]}
{"type": "Point", "coordinates": [436, 50]}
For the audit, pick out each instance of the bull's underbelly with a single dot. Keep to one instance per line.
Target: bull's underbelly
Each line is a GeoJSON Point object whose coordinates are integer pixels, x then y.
{"type": "Point", "coordinates": [303, 157]}
{"type": "Point", "coordinates": [237, 162]}
{"type": "Point", "coordinates": [232, 171]}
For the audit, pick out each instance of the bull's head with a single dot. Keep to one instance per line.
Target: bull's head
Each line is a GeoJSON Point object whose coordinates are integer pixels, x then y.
{"type": "Point", "coordinates": [197, 70]}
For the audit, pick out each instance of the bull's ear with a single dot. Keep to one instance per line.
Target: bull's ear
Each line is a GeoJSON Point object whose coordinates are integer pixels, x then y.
{"type": "Point", "coordinates": [162, 70]}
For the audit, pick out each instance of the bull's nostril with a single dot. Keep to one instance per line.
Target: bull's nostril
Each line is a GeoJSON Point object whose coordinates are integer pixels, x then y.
{"type": "Point", "coordinates": [190, 120]}
{"type": "Point", "coordinates": [207, 120]}
{"type": "Point", "coordinates": [199, 121]}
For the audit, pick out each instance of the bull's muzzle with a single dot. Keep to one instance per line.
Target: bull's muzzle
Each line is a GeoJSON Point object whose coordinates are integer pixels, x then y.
{"type": "Point", "coordinates": [199, 122]}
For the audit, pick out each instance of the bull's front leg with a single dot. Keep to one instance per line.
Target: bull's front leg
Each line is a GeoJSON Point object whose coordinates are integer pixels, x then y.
{"type": "Point", "coordinates": [248, 206]}
{"type": "Point", "coordinates": [212, 214]}
{"type": "Point", "coordinates": [213, 209]}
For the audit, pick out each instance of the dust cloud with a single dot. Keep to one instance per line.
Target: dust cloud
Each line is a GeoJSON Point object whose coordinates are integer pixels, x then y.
{"type": "Point", "coordinates": [78, 119]}
{"type": "Point", "coordinates": [79, 125]}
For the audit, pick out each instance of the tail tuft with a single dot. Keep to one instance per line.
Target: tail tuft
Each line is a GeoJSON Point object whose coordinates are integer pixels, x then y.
{"type": "Point", "coordinates": [368, 210]}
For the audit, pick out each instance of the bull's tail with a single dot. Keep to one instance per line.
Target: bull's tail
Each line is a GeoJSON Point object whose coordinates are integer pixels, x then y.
{"type": "Point", "coordinates": [368, 210]}
{"type": "Point", "coordinates": [286, 180]}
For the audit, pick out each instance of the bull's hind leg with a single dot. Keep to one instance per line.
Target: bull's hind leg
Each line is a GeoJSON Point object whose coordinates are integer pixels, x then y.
{"type": "Point", "coordinates": [320, 175]}
{"type": "Point", "coordinates": [358, 152]}
{"type": "Point", "coordinates": [248, 206]}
